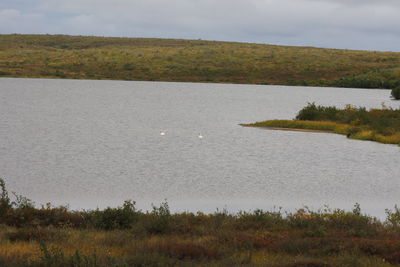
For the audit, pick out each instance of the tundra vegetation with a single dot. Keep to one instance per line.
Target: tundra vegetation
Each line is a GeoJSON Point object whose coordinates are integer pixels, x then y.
{"type": "Point", "coordinates": [125, 236]}
{"type": "Point", "coordinates": [396, 93]}
{"type": "Point", "coordinates": [380, 125]}
{"type": "Point", "coordinates": [78, 57]}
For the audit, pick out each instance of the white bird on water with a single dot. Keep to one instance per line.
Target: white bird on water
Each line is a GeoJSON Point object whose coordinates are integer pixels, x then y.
{"type": "Point", "coordinates": [162, 133]}
{"type": "Point", "coordinates": [200, 136]}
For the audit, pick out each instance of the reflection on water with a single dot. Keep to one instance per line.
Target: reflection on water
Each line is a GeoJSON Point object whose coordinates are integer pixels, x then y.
{"type": "Point", "coordinates": [97, 143]}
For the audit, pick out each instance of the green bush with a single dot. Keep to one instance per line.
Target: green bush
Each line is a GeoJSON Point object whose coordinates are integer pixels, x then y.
{"type": "Point", "coordinates": [22, 202]}
{"type": "Point", "coordinates": [43, 217]}
{"type": "Point", "coordinates": [159, 219]}
{"type": "Point", "coordinates": [384, 121]}
{"type": "Point", "coordinates": [114, 218]}
{"type": "Point", "coordinates": [259, 219]}
{"type": "Point", "coordinates": [393, 217]}
{"type": "Point", "coordinates": [317, 223]}
{"type": "Point", "coordinates": [5, 202]}
{"type": "Point", "coordinates": [314, 112]}
{"type": "Point", "coordinates": [396, 93]}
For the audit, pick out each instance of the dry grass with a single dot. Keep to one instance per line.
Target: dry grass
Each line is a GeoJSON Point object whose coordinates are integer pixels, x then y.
{"type": "Point", "coordinates": [298, 124]}
{"type": "Point", "coordinates": [326, 126]}
{"type": "Point", "coordinates": [285, 248]}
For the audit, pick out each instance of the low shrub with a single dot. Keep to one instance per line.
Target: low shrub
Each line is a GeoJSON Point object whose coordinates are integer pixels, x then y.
{"type": "Point", "coordinates": [113, 218]}
{"type": "Point", "coordinates": [185, 250]}
{"type": "Point", "coordinates": [259, 219]}
{"type": "Point", "coordinates": [396, 93]}
{"type": "Point", "coordinates": [39, 234]}
{"type": "Point", "coordinates": [188, 223]}
{"type": "Point", "coordinates": [5, 202]}
{"type": "Point", "coordinates": [393, 217]}
{"type": "Point", "coordinates": [43, 217]}
{"type": "Point", "coordinates": [386, 249]}
{"type": "Point", "coordinates": [159, 220]}
{"type": "Point", "coordinates": [54, 256]}
{"type": "Point", "coordinates": [149, 259]}
{"type": "Point", "coordinates": [317, 223]}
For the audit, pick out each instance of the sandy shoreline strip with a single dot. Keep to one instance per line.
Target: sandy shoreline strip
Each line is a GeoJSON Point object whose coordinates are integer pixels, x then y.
{"type": "Point", "coordinates": [293, 129]}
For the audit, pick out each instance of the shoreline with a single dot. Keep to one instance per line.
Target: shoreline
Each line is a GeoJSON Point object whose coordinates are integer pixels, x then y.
{"type": "Point", "coordinates": [290, 129]}
{"type": "Point", "coordinates": [126, 236]}
{"type": "Point", "coordinates": [347, 130]}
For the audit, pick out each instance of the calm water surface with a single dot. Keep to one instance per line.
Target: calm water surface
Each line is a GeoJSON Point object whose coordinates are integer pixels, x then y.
{"type": "Point", "coordinates": [96, 143]}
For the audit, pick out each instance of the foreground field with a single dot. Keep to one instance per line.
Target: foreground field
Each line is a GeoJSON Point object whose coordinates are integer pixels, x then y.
{"type": "Point", "coordinates": [77, 57]}
{"type": "Point", "coordinates": [124, 236]}
{"type": "Point", "coordinates": [380, 125]}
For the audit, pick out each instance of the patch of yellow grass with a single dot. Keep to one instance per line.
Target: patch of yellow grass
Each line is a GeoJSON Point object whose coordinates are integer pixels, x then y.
{"type": "Point", "coordinates": [391, 139]}
{"type": "Point", "coordinates": [339, 128]}
{"type": "Point", "coordinates": [87, 242]}
{"type": "Point", "coordinates": [18, 249]}
{"type": "Point", "coordinates": [342, 129]}
{"type": "Point", "coordinates": [364, 135]}
{"type": "Point", "coordinates": [299, 124]}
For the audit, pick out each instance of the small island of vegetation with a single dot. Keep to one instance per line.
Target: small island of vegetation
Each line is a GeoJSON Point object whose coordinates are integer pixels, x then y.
{"type": "Point", "coordinates": [380, 125]}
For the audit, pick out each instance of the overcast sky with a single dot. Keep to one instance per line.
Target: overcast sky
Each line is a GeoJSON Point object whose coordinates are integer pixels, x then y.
{"type": "Point", "coordinates": [353, 24]}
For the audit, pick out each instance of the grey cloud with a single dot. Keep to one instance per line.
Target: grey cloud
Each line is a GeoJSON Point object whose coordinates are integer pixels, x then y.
{"type": "Point", "coordinates": [360, 3]}
{"type": "Point", "coordinates": [355, 24]}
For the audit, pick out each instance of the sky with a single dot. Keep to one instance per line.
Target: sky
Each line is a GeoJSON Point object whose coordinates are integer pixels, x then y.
{"type": "Point", "coordinates": [348, 24]}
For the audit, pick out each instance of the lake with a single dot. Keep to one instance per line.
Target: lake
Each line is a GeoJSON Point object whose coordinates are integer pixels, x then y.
{"type": "Point", "coordinates": [97, 143]}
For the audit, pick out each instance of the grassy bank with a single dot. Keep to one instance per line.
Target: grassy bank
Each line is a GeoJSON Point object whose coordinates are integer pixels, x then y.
{"type": "Point", "coordinates": [125, 236]}
{"type": "Point", "coordinates": [380, 125]}
{"type": "Point", "coordinates": [77, 57]}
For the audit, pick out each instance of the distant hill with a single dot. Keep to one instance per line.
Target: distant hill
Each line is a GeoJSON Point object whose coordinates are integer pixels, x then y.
{"type": "Point", "coordinates": [80, 57]}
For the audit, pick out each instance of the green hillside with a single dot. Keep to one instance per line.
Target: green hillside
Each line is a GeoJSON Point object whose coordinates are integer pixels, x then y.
{"type": "Point", "coordinates": [78, 57]}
